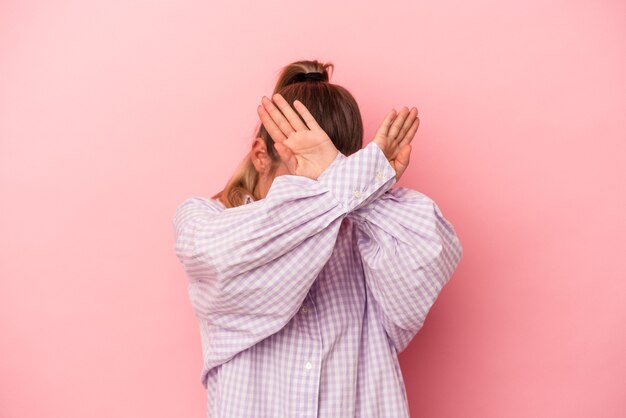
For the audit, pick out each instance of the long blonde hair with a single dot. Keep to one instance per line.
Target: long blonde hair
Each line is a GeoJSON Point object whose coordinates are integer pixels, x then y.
{"type": "Point", "coordinates": [333, 107]}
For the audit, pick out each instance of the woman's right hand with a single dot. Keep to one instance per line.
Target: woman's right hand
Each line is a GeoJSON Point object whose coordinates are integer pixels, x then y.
{"type": "Point", "coordinates": [305, 148]}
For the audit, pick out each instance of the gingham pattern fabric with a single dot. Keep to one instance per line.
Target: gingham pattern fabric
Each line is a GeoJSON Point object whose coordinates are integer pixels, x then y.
{"type": "Point", "coordinates": [305, 298]}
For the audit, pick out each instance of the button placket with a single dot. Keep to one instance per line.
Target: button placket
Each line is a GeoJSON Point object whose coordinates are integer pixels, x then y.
{"type": "Point", "coordinates": [304, 308]}
{"type": "Point", "coordinates": [312, 355]}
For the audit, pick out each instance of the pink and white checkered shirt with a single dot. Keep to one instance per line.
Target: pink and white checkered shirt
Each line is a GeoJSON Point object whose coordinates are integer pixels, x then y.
{"type": "Point", "coordinates": [305, 298]}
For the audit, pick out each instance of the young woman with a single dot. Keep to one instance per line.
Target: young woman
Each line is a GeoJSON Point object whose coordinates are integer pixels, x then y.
{"type": "Point", "coordinates": [308, 273]}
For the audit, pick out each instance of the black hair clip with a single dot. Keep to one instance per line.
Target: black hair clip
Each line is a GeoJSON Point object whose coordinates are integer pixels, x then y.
{"type": "Point", "coordinates": [314, 75]}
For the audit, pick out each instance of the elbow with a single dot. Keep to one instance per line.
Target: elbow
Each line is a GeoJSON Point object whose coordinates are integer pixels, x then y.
{"type": "Point", "coordinates": [442, 260]}
{"type": "Point", "coordinates": [449, 248]}
{"type": "Point", "coordinates": [453, 249]}
{"type": "Point", "coordinates": [194, 253]}
{"type": "Point", "coordinates": [447, 260]}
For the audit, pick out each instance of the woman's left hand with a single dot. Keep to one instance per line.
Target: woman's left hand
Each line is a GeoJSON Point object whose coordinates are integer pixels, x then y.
{"type": "Point", "coordinates": [395, 135]}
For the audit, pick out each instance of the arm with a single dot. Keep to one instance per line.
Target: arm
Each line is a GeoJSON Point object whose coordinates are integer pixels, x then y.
{"type": "Point", "coordinates": [250, 267]}
{"type": "Point", "coordinates": [409, 252]}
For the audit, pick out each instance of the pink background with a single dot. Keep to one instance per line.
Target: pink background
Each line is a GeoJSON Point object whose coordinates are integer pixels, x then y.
{"type": "Point", "coordinates": [112, 113]}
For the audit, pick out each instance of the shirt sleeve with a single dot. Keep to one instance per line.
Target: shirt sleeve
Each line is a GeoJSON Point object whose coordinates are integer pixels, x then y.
{"type": "Point", "coordinates": [409, 251]}
{"type": "Point", "coordinates": [251, 266]}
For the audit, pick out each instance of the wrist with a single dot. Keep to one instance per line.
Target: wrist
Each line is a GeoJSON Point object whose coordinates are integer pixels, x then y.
{"type": "Point", "coordinates": [332, 157]}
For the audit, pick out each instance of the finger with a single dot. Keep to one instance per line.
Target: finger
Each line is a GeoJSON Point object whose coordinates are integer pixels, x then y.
{"type": "Point", "coordinates": [287, 156]}
{"type": "Point", "coordinates": [278, 118]}
{"type": "Point", "coordinates": [306, 115]}
{"type": "Point", "coordinates": [289, 113]}
{"type": "Point", "coordinates": [408, 137]}
{"type": "Point", "coordinates": [397, 123]}
{"type": "Point", "coordinates": [270, 126]}
{"type": "Point", "coordinates": [383, 129]}
{"type": "Point", "coordinates": [408, 122]}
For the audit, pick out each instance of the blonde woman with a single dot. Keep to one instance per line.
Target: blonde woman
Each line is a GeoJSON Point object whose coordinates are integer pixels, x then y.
{"type": "Point", "coordinates": [308, 272]}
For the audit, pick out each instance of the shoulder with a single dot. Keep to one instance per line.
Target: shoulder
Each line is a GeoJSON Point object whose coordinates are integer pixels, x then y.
{"type": "Point", "coordinates": [196, 204]}
{"type": "Point", "coordinates": [201, 201]}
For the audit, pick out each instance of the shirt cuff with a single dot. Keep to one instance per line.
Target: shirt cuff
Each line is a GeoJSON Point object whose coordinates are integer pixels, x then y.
{"type": "Point", "coordinates": [359, 179]}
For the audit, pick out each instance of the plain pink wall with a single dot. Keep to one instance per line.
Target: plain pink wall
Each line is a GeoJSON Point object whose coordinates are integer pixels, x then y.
{"type": "Point", "coordinates": [112, 113]}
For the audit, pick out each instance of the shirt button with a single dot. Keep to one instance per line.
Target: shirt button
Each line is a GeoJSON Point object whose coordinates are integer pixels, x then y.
{"type": "Point", "coordinates": [357, 193]}
{"type": "Point", "coordinates": [308, 365]}
{"type": "Point", "coordinates": [304, 309]}
{"type": "Point", "coordinates": [379, 175]}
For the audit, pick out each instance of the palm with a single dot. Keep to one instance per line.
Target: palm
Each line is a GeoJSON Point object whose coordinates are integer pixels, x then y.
{"type": "Point", "coordinates": [304, 147]}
